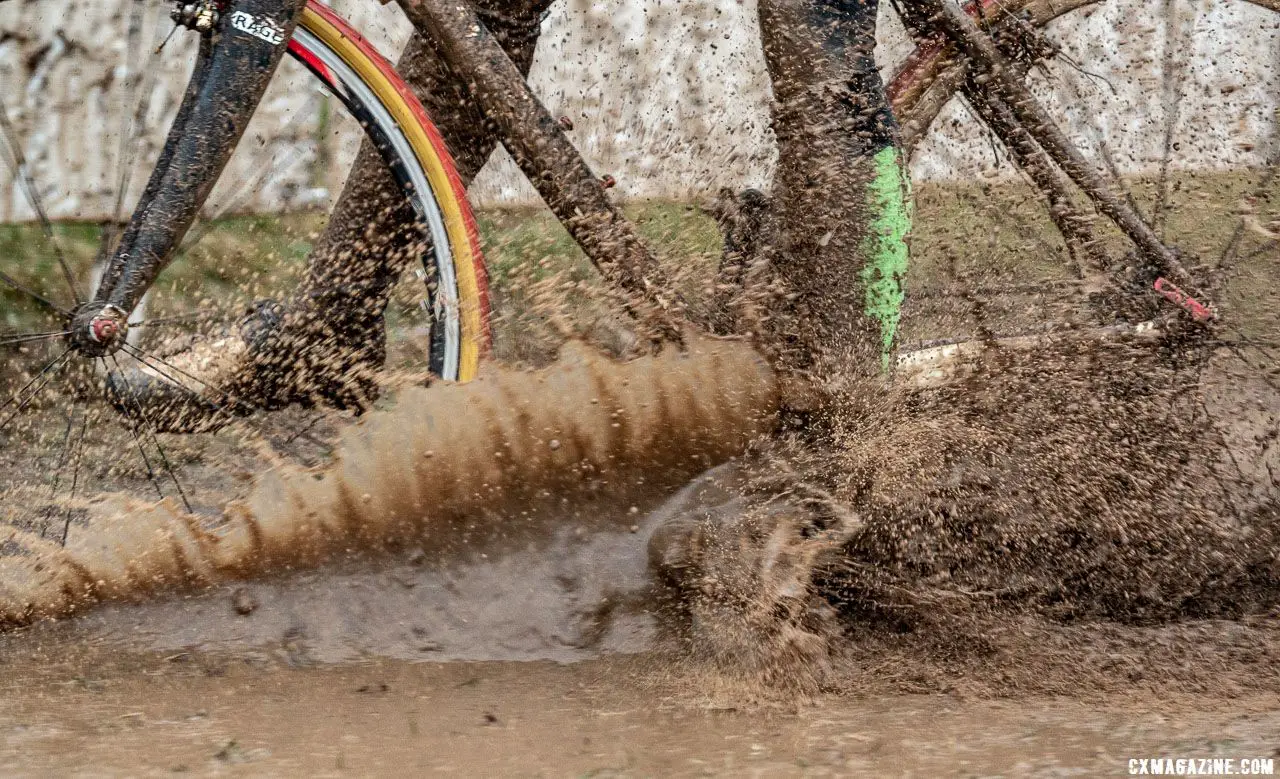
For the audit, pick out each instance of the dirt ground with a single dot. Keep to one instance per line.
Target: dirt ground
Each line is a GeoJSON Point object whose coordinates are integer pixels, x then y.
{"type": "Point", "coordinates": [551, 660]}
{"type": "Point", "coordinates": [552, 652]}
{"type": "Point", "coordinates": [72, 710]}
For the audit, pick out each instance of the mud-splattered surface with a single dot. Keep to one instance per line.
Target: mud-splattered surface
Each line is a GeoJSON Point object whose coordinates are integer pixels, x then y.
{"type": "Point", "coordinates": [1039, 584]}
{"type": "Point", "coordinates": [560, 589]}
{"type": "Point", "coordinates": [97, 711]}
{"type": "Point", "coordinates": [370, 668]}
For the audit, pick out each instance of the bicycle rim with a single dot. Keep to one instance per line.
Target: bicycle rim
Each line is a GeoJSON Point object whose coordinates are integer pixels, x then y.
{"type": "Point", "coordinates": [348, 63]}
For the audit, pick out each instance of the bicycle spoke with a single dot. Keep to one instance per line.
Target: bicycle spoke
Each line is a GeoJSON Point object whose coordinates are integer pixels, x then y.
{"type": "Point", "coordinates": [1073, 81]}
{"type": "Point", "coordinates": [192, 318]}
{"type": "Point", "coordinates": [1265, 347]}
{"type": "Point", "coordinates": [133, 430]}
{"type": "Point", "coordinates": [18, 162]}
{"type": "Point", "coordinates": [56, 474]}
{"type": "Point", "coordinates": [1233, 245]}
{"type": "Point", "coordinates": [1262, 370]}
{"type": "Point", "coordinates": [39, 380]}
{"type": "Point", "coordinates": [23, 338]}
{"type": "Point", "coordinates": [62, 456]}
{"type": "Point", "coordinates": [41, 299]}
{"type": "Point", "coordinates": [151, 360]}
{"type": "Point", "coordinates": [1082, 245]}
{"type": "Point", "coordinates": [1025, 230]}
{"type": "Point", "coordinates": [148, 359]}
{"type": "Point", "coordinates": [1082, 90]}
{"type": "Point", "coordinates": [139, 80]}
{"type": "Point", "coordinates": [1104, 151]}
{"type": "Point", "coordinates": [75, 477]}
{"type": "Point", "coordinates": [1261, 250]}
{"type": "Point", "coordinates": [150, 432]}
{"type": "Point", "coordinates": [1225, 447]}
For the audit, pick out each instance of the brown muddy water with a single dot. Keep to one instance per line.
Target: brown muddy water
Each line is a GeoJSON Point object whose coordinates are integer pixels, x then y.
{"type": "Point", "coordinates": [109, 713]}
{"type": "Point", "coordinates": [548, 661]}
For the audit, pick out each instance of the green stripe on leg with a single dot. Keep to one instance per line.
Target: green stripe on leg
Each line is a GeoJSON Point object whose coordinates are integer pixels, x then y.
{"type": "Point", "coordinates": [889, 199]}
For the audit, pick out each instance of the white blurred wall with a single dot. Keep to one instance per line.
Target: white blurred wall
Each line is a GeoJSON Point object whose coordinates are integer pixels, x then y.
{"type": "Point", "coordinates": [668, 96]}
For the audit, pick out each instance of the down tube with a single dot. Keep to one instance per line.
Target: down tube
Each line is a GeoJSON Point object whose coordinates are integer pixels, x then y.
{"type": "Point", "coordinates": [238, 61]}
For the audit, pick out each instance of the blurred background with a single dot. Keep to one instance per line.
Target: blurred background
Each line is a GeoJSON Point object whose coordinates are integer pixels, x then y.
{"type": "Point", "coordinates": [671, 98]}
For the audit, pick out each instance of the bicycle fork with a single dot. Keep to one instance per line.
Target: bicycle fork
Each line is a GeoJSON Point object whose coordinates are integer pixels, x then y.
{"type": "Point", "coordinates": [242, 42]}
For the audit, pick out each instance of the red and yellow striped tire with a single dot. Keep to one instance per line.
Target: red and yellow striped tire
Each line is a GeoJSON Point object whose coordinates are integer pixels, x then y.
{"type": "Point", "coordinates": [322, 34]}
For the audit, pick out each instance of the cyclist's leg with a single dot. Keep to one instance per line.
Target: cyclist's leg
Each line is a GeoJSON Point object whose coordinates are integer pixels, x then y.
{"type": "Point", "coordinates": [328, 338]}
{"type": "Point", "coordinates": [841, 175]}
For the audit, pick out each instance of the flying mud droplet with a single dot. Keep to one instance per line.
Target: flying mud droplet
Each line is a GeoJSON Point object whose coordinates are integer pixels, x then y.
{"type": "Point", "coordinates": [243, 602]}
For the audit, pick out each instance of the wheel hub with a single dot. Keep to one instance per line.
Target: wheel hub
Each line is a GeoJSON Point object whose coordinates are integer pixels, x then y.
{"type": "Point", "coordinates": [98, 330]}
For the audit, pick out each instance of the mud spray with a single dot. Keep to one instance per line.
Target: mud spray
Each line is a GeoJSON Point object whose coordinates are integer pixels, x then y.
{"type": "Point", "coordinates": [1005, 514]}
{"type": "Point", "coordinates": [996, 521]}
{"type": "Point", "coordinates": [444, 462]}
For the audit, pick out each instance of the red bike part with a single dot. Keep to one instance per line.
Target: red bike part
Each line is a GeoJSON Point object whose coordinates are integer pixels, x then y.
{"type": "Point", "coordinates": [1172, 293]}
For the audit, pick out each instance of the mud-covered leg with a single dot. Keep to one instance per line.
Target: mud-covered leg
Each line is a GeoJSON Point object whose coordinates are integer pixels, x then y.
{"type": "Point", "coordinates": [840, 193]}
{"type": "Point", "coordinates": [745, 558]}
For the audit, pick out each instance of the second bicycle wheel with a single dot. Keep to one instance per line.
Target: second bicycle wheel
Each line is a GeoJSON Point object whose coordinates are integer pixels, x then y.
{"type": "Point", "coordinates": [1173, 105]}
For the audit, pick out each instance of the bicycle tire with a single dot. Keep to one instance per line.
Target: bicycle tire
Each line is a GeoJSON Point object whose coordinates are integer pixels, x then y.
{"type": "Point", "coordinates": [353, 68]}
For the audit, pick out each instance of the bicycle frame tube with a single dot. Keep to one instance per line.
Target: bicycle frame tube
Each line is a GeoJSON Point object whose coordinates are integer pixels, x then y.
{"type": "Point", "coordinates": [236, 62]}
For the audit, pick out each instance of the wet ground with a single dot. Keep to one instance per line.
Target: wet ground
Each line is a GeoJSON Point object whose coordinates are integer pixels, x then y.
{"type": "Point", "coordinates": [77, 710]}
{"type": "Point", "coordinates": [540, 649]}
{"type": "Point", "coordinates": [546, 659]}
{"type": "Point", "coordinates": [541, 654]}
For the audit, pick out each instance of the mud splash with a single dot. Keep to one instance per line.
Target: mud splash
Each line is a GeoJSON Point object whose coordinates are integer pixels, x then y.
{"type": "Point", "coordinates": [1002, 513]}
{"type": "Point", "coordinates": [565, 587]}
{"type": "Point", "coordinates": [1104, 481]}
{"type": "Point", "coordinates": [462, 463]}
{"type": "Point", "coordinates": [1096, 484]}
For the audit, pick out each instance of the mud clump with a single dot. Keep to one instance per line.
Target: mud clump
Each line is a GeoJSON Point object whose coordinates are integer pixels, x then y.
{"type": "Point", "coordinates": [1096, 484]}
{"type": "Point", "coordinates": [741, 572]}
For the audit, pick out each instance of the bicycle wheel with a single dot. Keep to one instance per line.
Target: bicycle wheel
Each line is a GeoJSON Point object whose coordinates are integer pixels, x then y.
{"type": "Point", "coordinates": [251, 244]}
{"type": "Point", "coordinates": [931, 75]}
